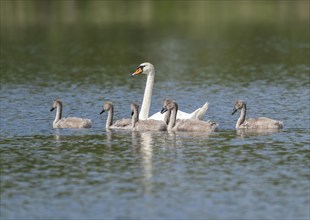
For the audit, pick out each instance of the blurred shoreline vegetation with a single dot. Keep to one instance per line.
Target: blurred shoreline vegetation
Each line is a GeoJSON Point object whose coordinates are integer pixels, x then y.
{"type": "Point", "coordinates": [192, 15]}
{"type": "Point", "coordinates": [65, 33]}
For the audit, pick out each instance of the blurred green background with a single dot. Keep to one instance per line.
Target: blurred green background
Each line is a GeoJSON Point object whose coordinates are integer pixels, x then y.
{"type": "Point", "coordinates": [117, 34]}
{"type": "Point", "coordinates": [20, 13]}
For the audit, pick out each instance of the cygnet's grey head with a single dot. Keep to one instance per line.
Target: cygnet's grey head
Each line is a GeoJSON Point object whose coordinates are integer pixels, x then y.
{"type": "Point", "coordinates": [55, 103]}
{"type": "Point", "coordinates": [134, 108]}
{"type": "Point", "coordinates": [106, 106]}
{"type": "Point", "coordinates": [238, 105]}
{"type": "Point", "coordinates": [168, 105]}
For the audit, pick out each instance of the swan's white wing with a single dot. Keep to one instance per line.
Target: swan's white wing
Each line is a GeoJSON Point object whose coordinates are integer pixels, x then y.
{"type": "Point", "coordinates": [180, 115]}
{"type": "Point", "coordinates": [124, 123]}
{"type": "Point", "coordinates": [157, 116]}
{"type": "Point", "coordinates": [197, 114]}
{"type": "Point", "coordinates": [184, 115]}
{"type": "Point", "coordinates": [200, 112]}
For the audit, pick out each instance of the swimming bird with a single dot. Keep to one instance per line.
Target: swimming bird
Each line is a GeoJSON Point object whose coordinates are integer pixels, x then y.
{"type": "Point", "coordinates": [124, 123]}
{"type": "Point", "coordinates": [186, 124]}
{"type": "Point", "coordinates": [71, 122]}
{"type": "Point", "coordinates": [149, 70]}
{"type": "Point", "coordinates": [253, 123]}
{"type": "Point", "coordinates": [145, 125]}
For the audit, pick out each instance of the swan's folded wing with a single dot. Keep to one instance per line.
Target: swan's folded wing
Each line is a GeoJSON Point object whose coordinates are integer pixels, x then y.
{"type": "Point", "coordinates": [196, 125]}
{"type": "Point", "coordinates": [262, 123]}
{"type": "Point", "coordinates": [180, 115]}
{"type": "Point", "coordinates": [123, 123]}
{"type": "Point", "coordinates": [74, 122]}
{"type": "Point", "coordinates": [200, 112]}
{"type": "Point", "coordinates": [157, 116]}
{"type": "Point", "coordinates": [150, 125]}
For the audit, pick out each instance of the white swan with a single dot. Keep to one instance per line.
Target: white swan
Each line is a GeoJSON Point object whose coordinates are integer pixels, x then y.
{"type": "Point", "coordinates": [149, 70]}
{"type": "Point", "coordinates": [186, 124]}
{"type": "Point", "coordinates": [145, 125]}
{"type": "Point", "coordinates": [68, 122]}
{"type": "Point", "coordinates": [254, 123]}
{"type": "Point", "coordinates": [124, 123]}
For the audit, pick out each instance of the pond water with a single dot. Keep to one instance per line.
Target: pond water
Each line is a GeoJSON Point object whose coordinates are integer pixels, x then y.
{"type": "Point", "coordinates": [233, 52]}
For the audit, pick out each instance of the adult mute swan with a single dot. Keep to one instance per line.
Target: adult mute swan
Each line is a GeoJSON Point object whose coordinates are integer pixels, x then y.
{"type": "Point", "coordinates": [72, 122]}
{"type": "Point", "coordinates": [254, 123]}
{"type": "Point", "coordinates": [145, 125]}
{"type": "Point", "coordinates": [149, 70]}
{"type": "Point", "coordinates": [124, 123]}
{"type": "Point", "coordinates": [186, 124]}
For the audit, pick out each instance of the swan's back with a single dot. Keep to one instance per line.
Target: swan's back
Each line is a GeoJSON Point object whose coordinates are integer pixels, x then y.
{"type": "Point", "coordinates": [150, 125]}
{"type": "Point", "coordinates": [124, 123]}
{"type": "Point", "coordinates": [261, 123]}
{"type": "Point", "coordinates": [73, 122]}
{"type": "Point", "coordinates": [195, 125]}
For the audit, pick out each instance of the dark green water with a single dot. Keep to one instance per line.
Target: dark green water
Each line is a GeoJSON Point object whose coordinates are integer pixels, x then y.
{"type": "Point", "coordinates": [84, 52]}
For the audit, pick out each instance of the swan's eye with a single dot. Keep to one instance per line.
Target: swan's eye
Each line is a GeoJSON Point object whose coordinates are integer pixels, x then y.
{"type": "Point", "coordinates": [142, 66]}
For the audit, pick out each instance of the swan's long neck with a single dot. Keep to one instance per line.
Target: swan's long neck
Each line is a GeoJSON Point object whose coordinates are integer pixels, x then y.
{"type": "Point", "coordinates": [135, 118]}
{"type": "Point", "coordinates": [146, 103]}
{"type": "Point", "coordinates": [58, 112]}
{"type": "Point", "coordinates": [173, 117]}
{"type": "Point", "coordinates": [241, 119]}
{"type": "Point", "coordinates": [110, 117]}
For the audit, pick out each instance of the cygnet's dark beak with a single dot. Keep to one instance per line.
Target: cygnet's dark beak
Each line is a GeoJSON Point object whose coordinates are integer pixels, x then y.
{"type": "Point", "coordinates": [234, 111]}
{"type": "Point", "coordinates": [102, 111]}
{"type": "Point", "coordinates": [52, 109]}
{"type": "Point", "coordinates": [163, 110]}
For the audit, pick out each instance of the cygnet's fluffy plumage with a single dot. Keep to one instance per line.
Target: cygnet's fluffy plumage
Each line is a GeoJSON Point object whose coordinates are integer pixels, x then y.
{"type": "Point", "coordinates": [71, 122]}
{"type": "Point", "coordinates": [124, 123]}
{"type": "Point", "coordinates": [186, 124]}
{"type": "Point", "coordinates": [145, 125]}
{"type": "Point", "coordinates": [253, 123]}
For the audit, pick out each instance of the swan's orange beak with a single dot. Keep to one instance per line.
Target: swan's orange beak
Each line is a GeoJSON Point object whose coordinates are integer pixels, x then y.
{"type": "Point", "coordinates": [138, 71]}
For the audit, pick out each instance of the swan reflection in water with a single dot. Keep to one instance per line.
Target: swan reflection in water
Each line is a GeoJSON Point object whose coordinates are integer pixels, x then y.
{"type": "Point", "coordinates": [144, 144]}
{"type": "Point", "coordinates": [244, 133]}
{"type": "Point", "coordinates": [57, 135]}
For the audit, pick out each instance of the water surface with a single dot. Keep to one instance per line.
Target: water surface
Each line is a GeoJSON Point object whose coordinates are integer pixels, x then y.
{"type": "Point", "coordinates": [86, 57]}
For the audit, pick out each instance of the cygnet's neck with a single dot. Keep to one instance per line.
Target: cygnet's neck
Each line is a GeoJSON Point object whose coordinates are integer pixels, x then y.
{"type": "Point", "coordinates": [135, 118]}
{"type": "Point", "coordinates": [58, 112]}
{"type": "Point", "coordinates": [110, 117]}
{"type": "Point", "coordinates": [241, 119]}
{"type": "Point", "coordinates": [173, 117]}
